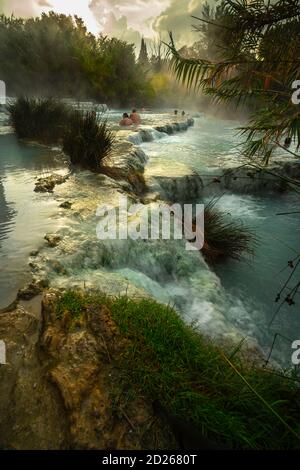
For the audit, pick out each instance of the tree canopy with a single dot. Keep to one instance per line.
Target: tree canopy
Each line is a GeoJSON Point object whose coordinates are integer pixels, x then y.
{"type": "Point", "coordinates": [55, 55]}
{"type": "Point", "coordinates": [251, 55]}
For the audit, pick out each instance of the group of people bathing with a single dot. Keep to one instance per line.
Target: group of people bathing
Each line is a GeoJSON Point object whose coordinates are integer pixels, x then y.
{"type": "Point", "coordinates": [134, 118]}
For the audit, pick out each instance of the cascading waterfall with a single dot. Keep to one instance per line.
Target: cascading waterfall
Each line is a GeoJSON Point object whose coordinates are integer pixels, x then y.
{"type": "Point", "coordinates": [233, 300]}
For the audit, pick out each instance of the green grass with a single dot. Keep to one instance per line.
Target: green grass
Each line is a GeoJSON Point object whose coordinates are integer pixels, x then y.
{"type": "Point", "coordinates": [71, 302]}
{"type": "Point", "coordinates": [88, 140]}
{"type": "Point", "coordinates": [42, 120]}
{"type": "Point", "coordinates": [231, 403]}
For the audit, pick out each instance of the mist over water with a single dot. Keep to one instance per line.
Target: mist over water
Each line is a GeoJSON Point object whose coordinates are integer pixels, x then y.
{"type": "Point", "coordinates": [235, 299]}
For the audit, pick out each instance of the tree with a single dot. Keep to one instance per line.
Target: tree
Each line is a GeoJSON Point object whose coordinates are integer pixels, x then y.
{"type": "Point", "coordinates": [55, 55]}
{"type": "Point", "coordinates": [256, 64]}
{"type": "Point", "coordinates": [143, 56]}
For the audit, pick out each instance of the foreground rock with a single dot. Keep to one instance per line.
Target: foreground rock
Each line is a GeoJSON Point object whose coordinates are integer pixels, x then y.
{"type": "Point", "coordinates": [66, 205]}
{"type": "Point", "coordinates": [31, 413]}
{"type": "Point", "coordinates": [60, 388]}
{"type": "Point", "coordinates": [31, 290]}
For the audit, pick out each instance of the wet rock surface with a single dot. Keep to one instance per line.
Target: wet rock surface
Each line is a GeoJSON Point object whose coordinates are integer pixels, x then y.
{"type": "Point", "coordinates": [47, 185]}
{"type": "Point", "coordinates": [66, 205]}
{"type": "Point", "coordinates": [276, 177]}
{"type": "Point", "coordinates": [32, 290]}
{"type": "Point", "coordinates": [52, 239]}
{"type": "Point", "coordinates": [180, 185]}
{"type": "Point", "coordinates": [60, 388]}
{"type": "Point", "coordinates": [181, 189]}
{"type": "Point", "coordinates": [176, 127]}
{"type": "Point", "coordinates": [31, 413]}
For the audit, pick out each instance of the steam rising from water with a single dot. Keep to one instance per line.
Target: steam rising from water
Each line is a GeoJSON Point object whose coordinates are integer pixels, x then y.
{"type": "Point", "coordinates": [235, 300]}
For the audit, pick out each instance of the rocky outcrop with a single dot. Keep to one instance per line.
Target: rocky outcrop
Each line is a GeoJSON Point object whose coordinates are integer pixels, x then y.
{"type": "Point", "coordinates": [61, 386]}
{"type": "Point", "coordinates": [249, 179]}
{"type": "Point", "coordinates": [176, 127]}
{"type": "Point", "coordinates": [31, 290]}
{"type": "Point", "coordinates": [46, 185]}
{"type": "Point", "coordinates": [52, 239]}
{"type": "Point", "coordinates": [66, 205]}
{"type": "Point", "coordinates": [32, 415]}
{"type": "Point", "coordinates": [149, 134]}
{"type": "Point", "coordinates": [181, 184]}
{"type": "Point", "coordinates": [181, 189]}
{"type": "Point", "coordinates": [127, 163]}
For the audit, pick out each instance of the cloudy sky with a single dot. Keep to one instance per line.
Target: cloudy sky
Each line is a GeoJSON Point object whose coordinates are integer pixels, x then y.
{"type": "Point", "coordinates": [126, 19]}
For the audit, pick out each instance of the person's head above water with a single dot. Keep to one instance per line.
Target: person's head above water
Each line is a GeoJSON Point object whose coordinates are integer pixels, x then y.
{"type": "Point", "coordinates": [134, 110]}
{"type": "Point", "coordinates": [125, 115]}
{"type": "Point", "coordinates": [176, 111]}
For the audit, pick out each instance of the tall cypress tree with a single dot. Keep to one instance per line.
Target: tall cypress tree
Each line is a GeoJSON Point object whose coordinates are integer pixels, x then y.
{"type": "Point", "coordinates": [143, 56]}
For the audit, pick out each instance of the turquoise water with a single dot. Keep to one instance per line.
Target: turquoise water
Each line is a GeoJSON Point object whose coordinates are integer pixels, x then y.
{"type": "Point", "coordinates": [211, 145]}
{"type": "Point", "coordinates": [235, 296]}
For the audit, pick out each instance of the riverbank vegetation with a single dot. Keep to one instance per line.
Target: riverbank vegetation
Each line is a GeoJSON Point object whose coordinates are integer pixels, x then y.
{"type": "Point", "coordinates": [55, 55]}
{"type": "Point", "coordinates": [84, 135]}
{"type": "Point", "coordinates": [41, 120]}
{"type": "Point", "coordinates": [87, 140]}
{"type": "Point", "coordinates": [231, 402]}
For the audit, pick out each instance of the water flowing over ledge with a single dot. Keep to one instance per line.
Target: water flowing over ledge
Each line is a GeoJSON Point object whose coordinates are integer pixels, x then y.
{"type": "Point", "coordinates": [150, 165]}
{"type": "Point", "coordinates": [160, 269]}
{"type": "Point", "coordinates": [148, 135]}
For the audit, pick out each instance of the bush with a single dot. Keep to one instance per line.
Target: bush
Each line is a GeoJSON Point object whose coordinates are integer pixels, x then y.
{"type": "Point", "coordinates": [87, 140]}
{"type": "Point", "coordinates": [42, 120]}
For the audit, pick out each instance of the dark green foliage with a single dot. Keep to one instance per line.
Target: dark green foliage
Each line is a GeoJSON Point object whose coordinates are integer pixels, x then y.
{"type": "Point", "coordinates": [143, 56]}
{"type": "Point", "coordinates": [224, 237]}
{"type": "Point", "coordinates": [230, 402]}
{"type": "Point", "coordinates": [87, 140]}
{"type": "Point", "coordinates": [54, 55]}
{"type": "Point", "coordinates": [256, 63]}
{"type": "Point", "coordinates": [42, 120]}
{"type": "Point", "coordinates": [85, 136]}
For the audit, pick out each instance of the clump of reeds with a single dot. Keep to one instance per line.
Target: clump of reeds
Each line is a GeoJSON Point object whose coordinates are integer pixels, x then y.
{"type": "Point", "coordinates": [223, 237]}
{"type": "Point", "coordinates": [42, 120]}
{"type": "Point", "coordinates": [87, 140]}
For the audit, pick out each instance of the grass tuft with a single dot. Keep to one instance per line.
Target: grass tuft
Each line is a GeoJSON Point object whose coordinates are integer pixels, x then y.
{"type": "Point", "coordinates": [73, 303]}
{"type": "Point", "coordinates": [42, 120]}
{"type": "Point", "coordinates": [85, 135]}
{"type": "Point", "coordinates": [225, 238]}
{"type": "Point", "coordinates": [88, 140]}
